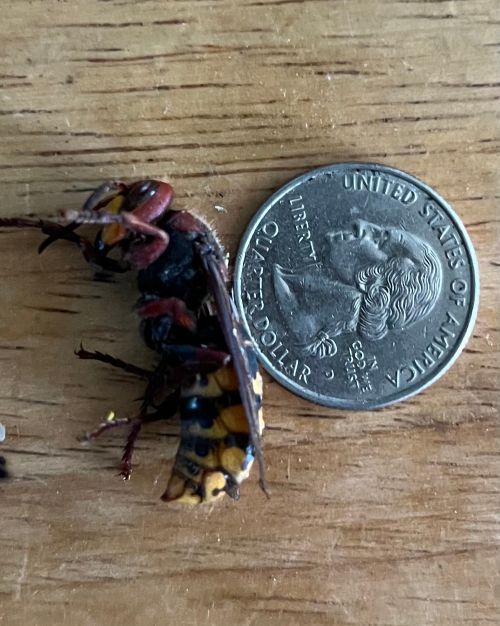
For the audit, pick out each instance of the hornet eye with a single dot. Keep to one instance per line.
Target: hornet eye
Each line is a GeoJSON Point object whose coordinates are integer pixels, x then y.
{"type": "Point", "coordinates": [140, 193]}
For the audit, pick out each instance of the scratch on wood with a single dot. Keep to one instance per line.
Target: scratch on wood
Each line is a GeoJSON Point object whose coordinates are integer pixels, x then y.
{"type": "Point", "coordinates": [21, 579]}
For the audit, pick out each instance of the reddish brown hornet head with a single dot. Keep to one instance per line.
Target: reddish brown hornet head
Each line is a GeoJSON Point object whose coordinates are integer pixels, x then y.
{"type": "Point", "coordinates": [146, 199]}
{"type": "Point", "coordinates": [129, 213]}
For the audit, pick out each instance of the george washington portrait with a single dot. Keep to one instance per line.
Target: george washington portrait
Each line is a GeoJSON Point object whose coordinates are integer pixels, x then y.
{"type": "Point", "coordinates": [371, 280]}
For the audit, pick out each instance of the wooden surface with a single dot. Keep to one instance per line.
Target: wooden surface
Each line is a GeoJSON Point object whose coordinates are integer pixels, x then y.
{"type": "Point", "coordinates": [386, 517]}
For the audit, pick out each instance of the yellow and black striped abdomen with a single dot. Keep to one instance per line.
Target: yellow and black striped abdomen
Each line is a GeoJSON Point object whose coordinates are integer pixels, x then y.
{"type": "Point", "coordinates": [215, 454]}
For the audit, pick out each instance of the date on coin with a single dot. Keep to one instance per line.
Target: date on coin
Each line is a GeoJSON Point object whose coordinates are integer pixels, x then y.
{"type": "Point", "coordinates": [358, 285]}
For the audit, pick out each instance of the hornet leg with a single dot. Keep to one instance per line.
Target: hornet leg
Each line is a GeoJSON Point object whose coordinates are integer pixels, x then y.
{"type": "Point", "coordinates": [111, 360]}
{"type": "Point", "coordinates": [111, 422]}
{"type": "Point", "coordinates": [166, 409]}
{"type": "Point", "coordinates": [140, 255]}
{"type": "Point", "coordinates": [57, 231]}
{"type": "Point", "coordinates": [126, 463]}
{"type": "Point", "coordinates": [97, 199]}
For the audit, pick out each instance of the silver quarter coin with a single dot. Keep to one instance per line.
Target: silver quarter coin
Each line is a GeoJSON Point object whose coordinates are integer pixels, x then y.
{"type": "Point", "coordinates": [358, 285]}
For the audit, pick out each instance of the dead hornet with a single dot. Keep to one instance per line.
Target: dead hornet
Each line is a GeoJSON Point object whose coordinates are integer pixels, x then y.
{"type": "Point", "coordinates": [207, 371]}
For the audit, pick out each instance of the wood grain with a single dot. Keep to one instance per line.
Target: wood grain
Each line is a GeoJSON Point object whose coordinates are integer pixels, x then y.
{"type": "Point", "coordinates": [381, 518]}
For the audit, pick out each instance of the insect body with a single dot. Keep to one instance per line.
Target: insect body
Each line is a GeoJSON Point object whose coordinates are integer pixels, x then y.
{"type": "Point", "coordinates": [207, 371]}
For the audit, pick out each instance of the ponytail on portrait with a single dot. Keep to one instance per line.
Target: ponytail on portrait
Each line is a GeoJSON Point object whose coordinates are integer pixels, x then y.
{"type": "Point", "coordinates": [397, 293]}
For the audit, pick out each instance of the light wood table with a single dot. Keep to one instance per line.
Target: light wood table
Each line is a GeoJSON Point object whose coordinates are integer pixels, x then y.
{"type": "Point", "coordinates": [377, 518]}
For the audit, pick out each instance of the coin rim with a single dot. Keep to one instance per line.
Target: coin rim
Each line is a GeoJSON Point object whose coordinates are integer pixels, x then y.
{"type": "Point", "coordinates": [358, 404]}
